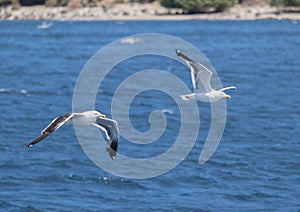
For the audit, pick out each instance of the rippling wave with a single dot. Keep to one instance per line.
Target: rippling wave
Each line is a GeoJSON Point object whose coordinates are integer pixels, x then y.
{"type": "Point", "coordinates": [256, 166]}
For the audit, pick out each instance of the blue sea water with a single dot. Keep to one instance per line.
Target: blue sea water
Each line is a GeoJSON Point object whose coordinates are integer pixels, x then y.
{"type": "Point", "coordinates": [256, 166]}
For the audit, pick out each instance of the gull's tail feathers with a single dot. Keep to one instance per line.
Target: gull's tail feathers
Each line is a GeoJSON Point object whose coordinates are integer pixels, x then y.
{"type": "Point", "coordinates": [112, 149]}
{"type": "Point", "coordinates": [187, 97]}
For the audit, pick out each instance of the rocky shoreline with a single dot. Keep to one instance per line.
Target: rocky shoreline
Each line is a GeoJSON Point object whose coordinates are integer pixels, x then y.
{"type": "Point", "coordinates": [150, 11]}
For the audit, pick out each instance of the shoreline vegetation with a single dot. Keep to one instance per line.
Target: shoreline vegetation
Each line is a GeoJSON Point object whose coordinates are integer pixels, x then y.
{"type": "Point", "coordinates": [149, 10]}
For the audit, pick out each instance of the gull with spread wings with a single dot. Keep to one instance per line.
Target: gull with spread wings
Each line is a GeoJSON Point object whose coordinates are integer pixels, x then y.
{"type": "Point", "coordinates": [87, 118]}
{"type": "Point", "coordinates": [200, 74]}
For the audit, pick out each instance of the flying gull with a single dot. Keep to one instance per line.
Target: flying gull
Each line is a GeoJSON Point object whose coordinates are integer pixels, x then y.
{"type": "Point", "coordinates": [200, 74]}
{"type": "Point", "coordinates": [87, 118]}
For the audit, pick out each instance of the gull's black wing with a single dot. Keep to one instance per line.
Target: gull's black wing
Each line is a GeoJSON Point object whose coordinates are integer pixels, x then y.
{"type": "Point", "coordinates": [52, 127]}
{"type": "Point", "coordinates": [111, 129]}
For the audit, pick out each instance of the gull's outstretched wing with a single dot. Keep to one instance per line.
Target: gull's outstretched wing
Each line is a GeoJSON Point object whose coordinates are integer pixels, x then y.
{"type": "Point", "coordinates": [226, 88]}
{"type": "Point", "coordinates": [199, 73]}
{"type": "Point", "coordinates": [53, 126]}
{"type": "Point", "coordinates": [111, 129]}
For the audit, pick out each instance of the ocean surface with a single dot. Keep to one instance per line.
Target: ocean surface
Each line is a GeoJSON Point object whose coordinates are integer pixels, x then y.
{"type": "Point", "coordinates": [255, 167]}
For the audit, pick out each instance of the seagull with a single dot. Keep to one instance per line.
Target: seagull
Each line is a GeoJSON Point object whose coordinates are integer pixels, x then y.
{"type": "Point", "coordinates": [200, 74]}
{"type": "Point", "coordinates": [87, 118]}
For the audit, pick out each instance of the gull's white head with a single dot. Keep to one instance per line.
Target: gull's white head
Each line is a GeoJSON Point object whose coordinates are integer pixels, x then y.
{"type": "Point", "coordinates": [98, 114]}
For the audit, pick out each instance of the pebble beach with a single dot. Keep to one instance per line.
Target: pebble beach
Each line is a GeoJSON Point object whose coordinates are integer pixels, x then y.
{"type": "Point", "coordinates": [150, 11]}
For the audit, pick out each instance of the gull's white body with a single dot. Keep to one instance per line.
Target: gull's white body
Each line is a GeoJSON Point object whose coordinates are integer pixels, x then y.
{"type": "Point", "coordinates": [87, 118]}
{"type": "Point", "coordinates": [211, 96]}
{"type": "Point", "coordinates": [201, 75]}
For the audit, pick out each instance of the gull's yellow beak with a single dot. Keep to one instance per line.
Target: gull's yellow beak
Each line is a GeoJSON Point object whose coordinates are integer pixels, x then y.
{"type": "Point", "coordinates": [102, 116]}
{"type": "Point", "coordinates": [228, 97]}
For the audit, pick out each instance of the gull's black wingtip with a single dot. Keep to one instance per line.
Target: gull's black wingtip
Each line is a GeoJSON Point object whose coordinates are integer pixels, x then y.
{"type": "Point", "coordinates": [29, 145]}
{"type": "Point", "coordinates": [112, 149]}
{"type": "Point", "coordinates": [177, 51]}
{"type": "Point", "coordinates": [114, 145]}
